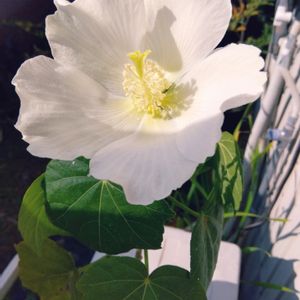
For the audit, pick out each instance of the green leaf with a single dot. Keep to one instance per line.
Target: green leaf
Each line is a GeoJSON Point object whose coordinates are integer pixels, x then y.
{"type": "Point", "coordinates": [230, 171]}
{"type": "Point", "coordinates": [121, 278]}
{"type": "Point", "coordinates": [97, 213]}
{"type": "Point", "coordinates": [33, 222]}
{"type": "Point", "coordinates": [205, 242]}
{"type": "Point", "coordinates": [51, 275]}
{"type": "Point", "coordinates": [273, 286]}
{"type": "Point", "coordinates": [249, 250]}
{"type": "Point", "coordinates": [252, 215]}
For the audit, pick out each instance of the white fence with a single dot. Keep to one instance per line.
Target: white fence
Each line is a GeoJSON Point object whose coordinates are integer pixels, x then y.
{"type": "Point", "coordinates": [279, 191]}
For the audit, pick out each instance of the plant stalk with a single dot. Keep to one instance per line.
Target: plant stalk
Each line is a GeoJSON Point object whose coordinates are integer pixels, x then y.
{"type": "Point", "coordinates": [185, 207]}
{"type": "Point", "coordinates": [146, 259]}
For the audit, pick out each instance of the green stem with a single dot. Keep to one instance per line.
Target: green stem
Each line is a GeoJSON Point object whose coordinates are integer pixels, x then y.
{"type": "Point", "coordinates": [251, 215]}
{"type": "Point", "coordinates": [146, 259]}
{"type": "Point", "coordinates": [184, 207]}
{"type": "Point", "coordinates": [236, 132]}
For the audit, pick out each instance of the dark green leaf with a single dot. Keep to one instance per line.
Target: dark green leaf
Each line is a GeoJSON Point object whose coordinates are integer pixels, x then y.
{"type": "Point", "coordinates": [120, 278]}
{"type": "Point", "coordinates": [230, 171]}
{"type": "Point", "coordinates": [51, 275]}
{"type": "Point", "coordinates": [97, 213]}
{"type": "Point", "coordinates": [205, 242]}
{"type": "Point", "coordinates": [33, 222]}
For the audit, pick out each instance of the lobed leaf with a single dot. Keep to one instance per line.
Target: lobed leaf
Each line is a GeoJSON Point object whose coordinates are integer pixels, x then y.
{"type": "Point", "coordinates": [51, 275]}
{"type": "Point", "coordinates": [97, 213]}
{"type": "Point", "coordinates": [121, 278]}
{"type": "Point", "coordinates": [33, 222]}
{"type": "Point", "coordinates": [205, 242]}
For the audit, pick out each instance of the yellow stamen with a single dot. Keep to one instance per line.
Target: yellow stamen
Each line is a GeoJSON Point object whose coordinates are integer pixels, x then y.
{"type": "Point", "coordinates": [145, 84]}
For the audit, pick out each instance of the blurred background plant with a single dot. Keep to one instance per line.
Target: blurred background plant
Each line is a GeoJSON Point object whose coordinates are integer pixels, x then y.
{"type": "Point", "coordinates": [252, 22]}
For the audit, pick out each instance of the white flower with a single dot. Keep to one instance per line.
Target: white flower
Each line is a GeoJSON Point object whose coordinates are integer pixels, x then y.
{"type": "Point", "coordinates": [136, 87]}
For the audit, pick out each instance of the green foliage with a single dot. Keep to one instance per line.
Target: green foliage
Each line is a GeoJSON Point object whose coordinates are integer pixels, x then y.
{"type": "Point", "coordinates": [246, 116]}
{"type": "Point", "coordinates": [255, 162]}
{"type": "Point", "coordinates": [33, 223]}
{"type": "Point", "coordinates": [97, 213]}
{"type": "Point", "coordinates": [230, 172]}
{"type": "Point", "coordinates": [120, 278]}
{"type": "Point", "coordinates": [245, 214]}
{"type": "Point", "coordinates": [274, 286]}
{"type": "Point", "coordinates": [221, 173]}
{"type": "Point", "coordinates": [28, 26]}
{"type": "Point", "coordinates": [250, 250]}
{"type": "Point", "coordinates": [52, 275]}
{"type": "Point", "coordinates": [245, 11]}
{"type": "Point", "coordinates": [262, 42]}
{"type": "Point", "coordinates": [253, 7]}
{"type": "Point", "coordinates": [205, 242]}
{"type": "Point", "coordinates": [219, 183]}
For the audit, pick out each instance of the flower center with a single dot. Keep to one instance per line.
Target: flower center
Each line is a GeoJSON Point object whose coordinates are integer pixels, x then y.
{"type": "Point", "coordinates": [145, 84]}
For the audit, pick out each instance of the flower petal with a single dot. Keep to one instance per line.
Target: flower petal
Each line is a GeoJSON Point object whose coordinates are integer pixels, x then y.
{"type": "Point", "coordinates": [147, 166]}
{"type": "Point", "coordinates": [96, 36]}
{"type": "Point", "coordinates": [181, 33]}
{"type": "Point", "coordinates": [228, 78]}
{"type": "Point", "coordinates": [65, 114]}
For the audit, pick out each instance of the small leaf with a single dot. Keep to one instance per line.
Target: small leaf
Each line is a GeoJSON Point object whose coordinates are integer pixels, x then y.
{"type": "Point", "coordinates": [121, 278]}
{"type": "Point", "coordinates": [33, 222]}
{"type": "Point", "coordinates": [273, 286]}
{"type": "Point", "coordinates": [249, 250]}
{"type": "Point", "coordinates": [205, 242]}
{"type": "Point", "coordinates": [230, 171]}
{"type": "Point", "coordinates": [97, 213]}
{"type": "Point", "coordinates": [252, 215]}
{"type": "Point", "coordinates": [51, 275]}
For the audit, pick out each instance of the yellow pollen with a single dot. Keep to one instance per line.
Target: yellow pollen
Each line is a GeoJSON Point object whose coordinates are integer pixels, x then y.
{"type": "Point", "coordinates": [145, 84]}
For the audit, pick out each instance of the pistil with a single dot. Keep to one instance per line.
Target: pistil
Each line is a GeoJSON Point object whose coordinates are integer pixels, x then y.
{"type": "Point", "coordinates": [145, 84]}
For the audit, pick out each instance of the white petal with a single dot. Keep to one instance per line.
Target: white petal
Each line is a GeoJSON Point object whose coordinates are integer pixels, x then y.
{"type": "Point", "coordinates": [96, 36]}
{"type": "Point", "coordinates": [228, 78]}
{"type": "Point", "coordinates": [65, 114]}
{"type": "Point", "coordinates": [61, 3]}
{"type": "Point", "coordinates": [147, 166]}
{"type": "Point", "coordinates": [181, 33]}
{"type": "Point", "coordinates": [161, 157]}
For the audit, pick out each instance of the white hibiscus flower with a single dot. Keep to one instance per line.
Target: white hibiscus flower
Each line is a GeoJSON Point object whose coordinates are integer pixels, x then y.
{"type": "Point", "coordinates": [136, 87]}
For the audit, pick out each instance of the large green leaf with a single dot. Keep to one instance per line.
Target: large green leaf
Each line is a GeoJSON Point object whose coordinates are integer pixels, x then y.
{"type": "Point", "coordinates": [120, 278]}
{"type": "Point", "coordinates": [97, 213]}
{"type": "Point", "coordinates": [52, 275]}
{"type": "Point", "coordinates": [206, 239]}
{"type": "Point", "coordinates": [230, 171]}
{"type": "Point", "coordinates": [225, 186]}
{"type": "Point", "coordinates": [33, 221]}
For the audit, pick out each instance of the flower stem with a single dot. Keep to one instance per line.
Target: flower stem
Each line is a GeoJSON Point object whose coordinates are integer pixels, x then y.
{"type": "Point", "coordinates": [185, 207]}
{"type": "Point", "coordinates": [146, 259]}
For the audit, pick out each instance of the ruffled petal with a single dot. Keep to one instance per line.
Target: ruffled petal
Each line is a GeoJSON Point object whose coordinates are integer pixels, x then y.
{"type": "Point", "coordinates": [65, 114]}
{"type": "Point", "coordinates": [96, 36]}
{"type": "Point", "coordinates": [181, 33]}
{"type": "Point", "coordinates": [147, 166]}
{"type": "Point", "coordinates": [228, 78]}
